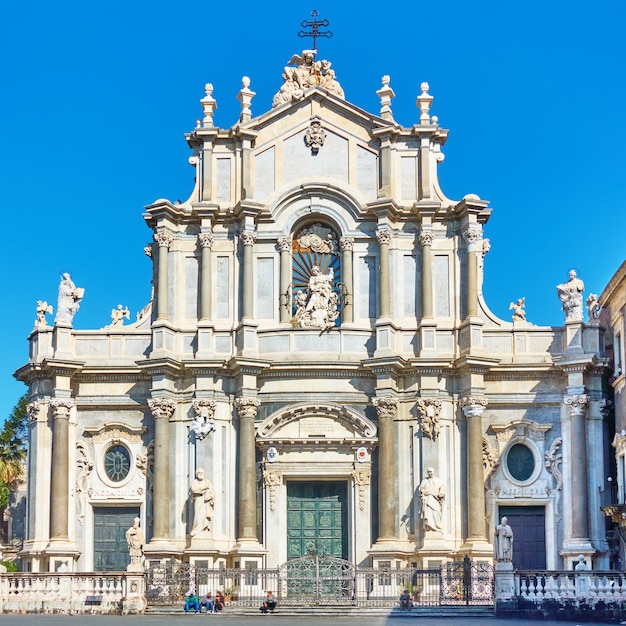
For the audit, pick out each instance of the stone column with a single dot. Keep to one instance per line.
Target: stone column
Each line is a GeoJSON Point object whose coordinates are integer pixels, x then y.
{"type": "Point", "coordinates": [471, 237]}
{"type": "Point", "coordinates": [347, 278]}
{"type": "Point", "coordinates": [246, 409]}
{"type": "Point", "coordinates": [473, 408]}
{"type": "Point", "coordinates": [578, 465]}
{"type": "Point", "coordinates": [384, 238]}
{"type": "Point", "coordinates": [284, 245]}
{"type": "Point", "coordinates": [59, 479]}
{"type": "Point", "coordinates": [206, 242]}
{"type": "Point", "coordinates": [164, 240]}
{"type": "Point", "coordinates": [248, 237]}
{"type": "Point", "coordinates": [387, 502]}
{"type": "Point", "coordinates": [426, 241]}
{"type": "Point", "coordinates": [162, 409]}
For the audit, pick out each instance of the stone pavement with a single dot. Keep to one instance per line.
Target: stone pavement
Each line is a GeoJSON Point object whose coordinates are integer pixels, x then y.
{"type": "Point", "coordinates": [238, 620]}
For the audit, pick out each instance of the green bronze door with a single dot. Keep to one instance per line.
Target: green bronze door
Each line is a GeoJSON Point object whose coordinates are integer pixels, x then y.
{"type": "Point", "coordinates": [317, 519]}
{"type": "Point", "coordinates": [110, 548]}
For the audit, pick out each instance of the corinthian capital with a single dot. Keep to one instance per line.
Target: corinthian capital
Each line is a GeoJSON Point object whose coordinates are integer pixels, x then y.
{"type": "Point", "coordinates": [471, 235]}
{"type": "Point", "coordinates": [385, 407]}
{"type": "Point", "coordinates": [346, 243]}
{"type": "Point", "coordinates": [426, 238]}
{"type": "Point", "coordinates": [383, 236]}
{"type": "Point", "coordinates": [247, 407]}
{"type": "Point", "coordinates": [162, 407]}
{"type": "Point", "coordinates": [206, 240]}
{"type": "Point", "coordinates": [164, 239]}
{"type": "Point", "coordinates": [61, 408]}
{"type": "Point", "coordinates": [576, 403]}
{"type": "Point", "coordinates": [248, 237]}
{"type": "Point", "coordinates": [284, 244]}
{"type": "Point", "coordinates": [473, 406]}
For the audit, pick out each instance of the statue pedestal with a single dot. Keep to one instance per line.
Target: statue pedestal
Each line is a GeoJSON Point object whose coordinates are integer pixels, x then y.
{"type": "Point", "coordinates": [134, 600]}
{"type": "Point", "coordinates": [504, 580]}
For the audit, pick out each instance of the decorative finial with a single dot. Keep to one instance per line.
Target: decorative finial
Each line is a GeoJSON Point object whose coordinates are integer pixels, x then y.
{"type": "Point", "coordinates": [315, 31]}
{"type": "Point", "coordinates": [208, 105]}
{"type": "Point", "coordinates": [245, 97]}
{"type": "Point", "coordinates": [424, 100]}
{"type": "Point", "coordinates": [385, 93]}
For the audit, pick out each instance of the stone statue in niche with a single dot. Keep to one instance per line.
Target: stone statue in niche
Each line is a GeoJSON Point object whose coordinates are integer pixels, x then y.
{"type": "Point", "coordinates": [571, 296]}
{"type": "Point", "coordinates": [303, 72]}
{"type": "Point", "coordinates": [503, 541]}
{"type": "Point", "coordinates": [321, 308]}
{"type": "Point", "coordinates": [432, 495]}
{"type": "Point", "coordinates": [69, 301]}
{"type": "Point", "coordinates": [203, 496]}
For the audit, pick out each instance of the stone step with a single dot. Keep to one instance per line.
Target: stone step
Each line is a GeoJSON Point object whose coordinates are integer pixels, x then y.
{"type": "Point", "coordinates": [294, 611]}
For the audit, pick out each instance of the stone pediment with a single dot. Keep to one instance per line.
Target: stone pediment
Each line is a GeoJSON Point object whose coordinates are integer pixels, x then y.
{"type": "Point", "coordinates": [307, 422]}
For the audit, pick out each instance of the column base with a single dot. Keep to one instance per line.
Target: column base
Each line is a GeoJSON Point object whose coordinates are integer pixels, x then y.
{"type": "Point", "coordinates": [246, 338]}
{"type": "Point", "coordinates": [205, 340]}
{"type": "Point", "coordinates": [573, 548]}
{"type": "Point", "coordinates": [476, 548]}
{"type": "Point", "coordinates": [390, 550]}
{"type": "Point", "coordinates": [250, 549]}
{"type": "Point", "coordinates": [161, 549]}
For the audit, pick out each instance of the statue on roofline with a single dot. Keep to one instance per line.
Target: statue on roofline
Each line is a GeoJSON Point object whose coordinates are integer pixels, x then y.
{"type": "Point", "coordinates": [303, 72]}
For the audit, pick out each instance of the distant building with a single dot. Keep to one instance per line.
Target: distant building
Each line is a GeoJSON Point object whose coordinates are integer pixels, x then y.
{"type": "Point", "coordinates": [318, 344]}
{"type": "Point", "coordinates": [613, 317]}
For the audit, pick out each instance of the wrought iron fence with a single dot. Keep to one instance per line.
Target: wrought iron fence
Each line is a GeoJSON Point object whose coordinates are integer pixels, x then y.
{"type": "Point", "coordinates": [320, 580]}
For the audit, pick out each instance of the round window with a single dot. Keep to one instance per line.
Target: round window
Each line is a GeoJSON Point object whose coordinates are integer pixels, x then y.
{"type": "Point", "coordinates": [520, 462]}
{"type": "Point", "coordinates": [117, 463]}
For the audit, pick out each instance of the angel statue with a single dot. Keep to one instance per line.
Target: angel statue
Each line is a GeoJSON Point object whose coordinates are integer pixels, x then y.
{"type": "Point", "coordinates": [519, 314]}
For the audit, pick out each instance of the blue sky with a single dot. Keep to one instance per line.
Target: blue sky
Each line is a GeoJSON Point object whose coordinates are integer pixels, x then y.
{"type": "Point", "coordinates": [97, 95]}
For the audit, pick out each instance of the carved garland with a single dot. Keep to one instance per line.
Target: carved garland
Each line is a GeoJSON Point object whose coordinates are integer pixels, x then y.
{"type": "Point", "coordinates": [272, 479]}
{"type": "Point", "coordinates": [554, 460]}
{"type": "Point", "coordinates": [361, 480]}
{"type": "Point", "coordinates": [429, 410]}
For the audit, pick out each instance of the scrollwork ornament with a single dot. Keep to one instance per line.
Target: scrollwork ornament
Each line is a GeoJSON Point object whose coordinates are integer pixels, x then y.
{"type": "Point", "coordinates": [272, 479]}
{"type": "Point", "coordinates": [490, 459]}
{"type": "Point", "coordinates": [315, 135]}
{"type": "Point", "coordinates": [429, 410]}
{"type": "Point", "coordinates": [162, 407]}
{"type": "Point", "coordinates": [284, 244]}
{"type": "Point", "coordinates": [33, 411]}
{"type": "Point", "coordinates": [471, 235]}
{"type": "Point", "coordinates": [203, 423]}
{"type": "Point", "coordinates": [248, 237]}
{"type": "Point", "coordinates": [247, 407]}
{"type": "Point", "coordinates": [147, 250]}
{"type": "Point", "coordinates": [486, 246]}
{"type": "Point", "coordinates": [163, 239]}
{"type": "Point", "coordinates": [426, 238]}
{"type": "Point", "coordinates": [383, 236]}
{"type": "Point", "coordinates": [606, 407]}
{"type": "Point", "coordinates": [554, 460]}
{"type": "Point", "coordinates": [361, 480]}
{"type": "Point", "coordinates": [61, 408]}
{"type": "Point", "coordinates": [576, 403]}
{"type": "Point", "coordinates": [206, 240]}
{"type": "Point", "coordinates": [346, 244]}
{"type": "Point", "coordinates": [473, 406]}
{"type": "Point", "coordinates": [385, 407]}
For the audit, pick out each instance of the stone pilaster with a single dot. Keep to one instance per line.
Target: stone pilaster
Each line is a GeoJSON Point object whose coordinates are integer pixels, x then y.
{"type": "Point", "coordinates": [59, 482]}
{"type": "Point", "coordinates": [476, 541]}
{"type": "Point", "coordinates": [162, 410]}
{"type": "Point", "coordinates": [247, 409]}
{"type": "Point", "coordinates": [578, 541]}
{"type": "Point", "coordinates": [284, 245]}
{"type": "Point", "coordinates": [206, 243]}
{"type": "Point", "coordinates": [384, 239]}
{"type": "Point", "coordinates": [347, 245]}
{"type": "Point", "coordinates": [386, 408]}
{"type": "Point", "coordinates": [248, 237]}
{"type": "Point", "coordinates": [164, 241]}
{"type": "Point", "coordinates": [471, 236]}
{"type": "Point", "coordinates": [426, 241]}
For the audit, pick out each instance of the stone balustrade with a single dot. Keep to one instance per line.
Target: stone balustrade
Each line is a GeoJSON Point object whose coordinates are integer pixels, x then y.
{"type": "Point", "coordinates": [68, 593]}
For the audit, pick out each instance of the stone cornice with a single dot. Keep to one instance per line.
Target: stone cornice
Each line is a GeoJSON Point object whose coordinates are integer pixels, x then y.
{"type": "Point", "coordinates": [475, 364]}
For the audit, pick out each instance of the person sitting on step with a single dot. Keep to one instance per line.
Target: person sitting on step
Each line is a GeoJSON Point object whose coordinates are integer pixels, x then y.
{"type": "Point", "coordinates": [191, 602]}
{"type": "Point", "coordinates": [269, 603]}
{"type": "Point", "coordinates": [406, 602]}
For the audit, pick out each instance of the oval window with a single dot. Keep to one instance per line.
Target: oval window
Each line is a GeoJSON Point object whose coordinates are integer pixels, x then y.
{"type": "Point", "coordinates": [520, 462]}
{"type": "Point", "coordinates": [117, 463]}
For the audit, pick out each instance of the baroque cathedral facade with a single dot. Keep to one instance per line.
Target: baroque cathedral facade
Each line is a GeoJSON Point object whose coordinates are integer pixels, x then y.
{"type": "Point", "coordinates": [317, 370]}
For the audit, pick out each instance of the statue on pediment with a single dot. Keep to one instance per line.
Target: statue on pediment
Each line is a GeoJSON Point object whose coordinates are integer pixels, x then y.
{"type": "Point", "coordinates": [303, 72]}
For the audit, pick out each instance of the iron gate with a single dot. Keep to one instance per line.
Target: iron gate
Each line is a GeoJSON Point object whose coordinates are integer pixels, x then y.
{"type": "Point", "coordinates": [323, 580]}
{"type": "Point", "coordinates": [317, 580]}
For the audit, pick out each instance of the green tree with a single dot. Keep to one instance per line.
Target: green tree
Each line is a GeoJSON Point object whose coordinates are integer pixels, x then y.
{"type": "Point", "coordinates": [13, 441]}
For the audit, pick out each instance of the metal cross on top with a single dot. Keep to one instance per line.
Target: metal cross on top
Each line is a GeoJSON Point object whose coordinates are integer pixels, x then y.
{"type": "Point", "coordinates": [315, 31]}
